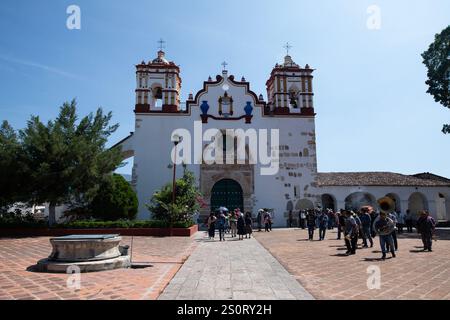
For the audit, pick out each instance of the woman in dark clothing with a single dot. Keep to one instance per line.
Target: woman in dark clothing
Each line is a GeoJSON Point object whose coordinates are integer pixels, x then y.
{"type": "Point", "coordinates": [212, 225]}
{"type": "Point", "coordinates": [241, 226]}
{"type": "Point", "coordinates": [248, 225]}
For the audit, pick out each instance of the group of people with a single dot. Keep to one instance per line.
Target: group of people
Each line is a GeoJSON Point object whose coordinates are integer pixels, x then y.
{"type": "Point", "coordinates": [237, 223]}
{"type": "Point", "coordinates": [234, 222]}
{"type": "Point", "coordinates": [365, 225]}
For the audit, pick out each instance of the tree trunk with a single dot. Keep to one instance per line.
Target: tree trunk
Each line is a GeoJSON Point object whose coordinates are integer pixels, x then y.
{"type": "Point", "coordinates": [51, 214]}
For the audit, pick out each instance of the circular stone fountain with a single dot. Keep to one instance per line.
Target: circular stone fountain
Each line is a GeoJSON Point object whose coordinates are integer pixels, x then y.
{"type": "Point", "coordinates": [87, 252]}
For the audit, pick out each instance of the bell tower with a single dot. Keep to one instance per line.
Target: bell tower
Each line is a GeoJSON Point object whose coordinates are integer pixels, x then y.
{"type": "Point", "coordinates": [289, 88]}
{"type": "Point", "coordinates": [158, 85]}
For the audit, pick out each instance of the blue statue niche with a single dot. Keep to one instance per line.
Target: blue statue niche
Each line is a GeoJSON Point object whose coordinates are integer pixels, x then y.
{"type": "Point", "coordinates": [248, 108]}
{"type": "Point", "coordinates": [204, 107]}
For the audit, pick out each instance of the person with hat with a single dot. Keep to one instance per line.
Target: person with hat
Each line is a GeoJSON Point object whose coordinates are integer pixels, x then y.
{"type": "Point", "coordinates": [351, 229]}
{"type": "Point", "coordinates": [384, 226]}
{"type": "Point", "coordinates": [426, 226]}
{"type": "Point", "coordinates": [366, 224]}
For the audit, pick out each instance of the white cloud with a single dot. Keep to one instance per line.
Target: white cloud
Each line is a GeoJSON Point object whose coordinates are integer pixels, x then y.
{"type": "Point", "coordinates": [39, 66]}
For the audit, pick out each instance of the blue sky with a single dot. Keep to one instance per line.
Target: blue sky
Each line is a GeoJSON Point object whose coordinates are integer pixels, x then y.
{"type": "Point", "coordinates": [373, 113]}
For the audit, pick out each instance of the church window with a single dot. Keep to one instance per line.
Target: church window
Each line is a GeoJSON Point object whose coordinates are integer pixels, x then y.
{"type": "Point", "coordinates": [305, 152]}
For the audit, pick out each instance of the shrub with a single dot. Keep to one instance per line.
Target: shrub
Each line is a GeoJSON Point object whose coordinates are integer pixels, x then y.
{"type": "Point", "coordinates": [186, 201]}
{"type": "Point", "coordinates": [114, 200]}
{"type": "Point", "coordinates": [94, 224]}
{"type": "Point", "coordinates": [18, 220]}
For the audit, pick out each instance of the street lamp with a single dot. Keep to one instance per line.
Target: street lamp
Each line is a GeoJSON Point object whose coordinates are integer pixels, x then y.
{"type": "Point", "coordinates": [176, 140]}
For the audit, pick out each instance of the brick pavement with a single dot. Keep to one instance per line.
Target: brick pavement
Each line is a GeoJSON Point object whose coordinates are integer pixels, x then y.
{"type": "Point", "coordinates": [165, 254]}
{"type": "Point", "coordinates": [326, 273]}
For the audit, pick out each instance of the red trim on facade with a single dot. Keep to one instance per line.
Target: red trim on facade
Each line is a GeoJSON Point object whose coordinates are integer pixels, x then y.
{"type": "Point", "coordinates": [141, 108]}
{"type": "Point", "coordinates": [170, 108]}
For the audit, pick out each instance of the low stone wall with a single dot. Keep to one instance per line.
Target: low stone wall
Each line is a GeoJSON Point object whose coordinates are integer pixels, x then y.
{"type": "Point", "coordinates": [137, 232]}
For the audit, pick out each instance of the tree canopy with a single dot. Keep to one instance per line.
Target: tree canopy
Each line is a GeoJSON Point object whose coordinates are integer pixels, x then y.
{"type": "Point", "coordinates": [62, 161]}
{"type": "Point", "coordinates": [115, 201]}
{"type": "Point", "coordinates": [437, 61]}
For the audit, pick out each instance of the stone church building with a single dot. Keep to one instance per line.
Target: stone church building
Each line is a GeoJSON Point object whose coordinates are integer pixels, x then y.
{"type": "Point", "coordinates": [226, 103]}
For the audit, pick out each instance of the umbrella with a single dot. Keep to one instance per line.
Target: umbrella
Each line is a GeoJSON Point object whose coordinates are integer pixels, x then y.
{"type": "Point", "coordinates": [223, 209]}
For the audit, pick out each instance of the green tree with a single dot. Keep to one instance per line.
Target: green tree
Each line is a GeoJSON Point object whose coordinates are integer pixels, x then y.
{"type": "Point", "coordinates": [186, 201]}
{"type": "Point", "coordinates": [115, 200]}
{"type": "Point", "coordinates": [67, 160]}
{"type": "Point", "coordinates": [12, 167]}
{"type": "Point", "coordinates": [437, 61]}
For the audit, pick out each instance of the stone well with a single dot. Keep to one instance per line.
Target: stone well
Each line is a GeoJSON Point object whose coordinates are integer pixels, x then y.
{"type": "Point", "coordinates": [87, 252]}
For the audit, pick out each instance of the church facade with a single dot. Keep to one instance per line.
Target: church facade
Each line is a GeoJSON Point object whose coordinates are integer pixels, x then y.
{"type": "Point", "coordinates": [264, 153]}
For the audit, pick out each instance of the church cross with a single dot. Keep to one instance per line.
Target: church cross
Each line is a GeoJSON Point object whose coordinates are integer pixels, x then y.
{"type": "Point", "coordinates": [287, 47]}
{"type": "Point", "coordinates": [161, 43]}
{"type": "Point", "coordinates": [224, 64]}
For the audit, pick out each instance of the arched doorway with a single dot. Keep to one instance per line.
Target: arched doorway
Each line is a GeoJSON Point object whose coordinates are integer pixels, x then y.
{"type": "Point", "coordinates": [357, 200]}
{"type": "Point", "coordinates": [227, 193]}
{"type": "Point", "coordinates": [416, 203]}
{"type": "Point", "coordinates": [304, 204]}
{"type": "Point", "coordinates": [328, 202]}
{"type": "Point", "coordinates": [396, 199]}
{"type": "Point", "coordinates": [441, 211]}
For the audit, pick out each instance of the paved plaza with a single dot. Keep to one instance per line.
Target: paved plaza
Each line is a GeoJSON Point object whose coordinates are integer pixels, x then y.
{"type": "Point", "coordinates": [238, 270]}
{"type": "Point", "coordinates": [278, 265]}
{"type": "Point", "coordinates": [324, 270]}
{"type": "Point", "coordinates": [17, 255]}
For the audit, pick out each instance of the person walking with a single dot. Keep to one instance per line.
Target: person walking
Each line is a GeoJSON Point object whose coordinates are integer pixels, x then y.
{"type": "Point", "coordinates": [267, 221]}
{"type": "Point", "coordinates": [350, 233]}
{"type": "Point", "coordinates": [311, 223]}
{"type": "Point", "coordinates": [384, 226]}
{"type": "Point", "coordinates": [248, 225]}
{"type": "Point", "coordinates": [260, 219]}
{"type": "Point", "coordinates": [409, 221]}
{"type": "Point", "coordinates": [212, 225]}
{"type": "Point", "coordinates": [323, 225]}
{"type": "Point", "coordinates": [221, 221]}
{"type": "Point", "coordinates": [426, 226]}
{"type": "Point", "coordinates": [241, 226]}
{"type": "Point", "coordinates": [302, 218]}
{"type": "Point", "coordinates": [394, 218]}
{"type": "Point", "coordinates": [340, 220]}
{"type": "Point", "coordinates": [290, 219]}
{"type": "Point", "coordinates": [366, 224]}
{"type": "Point", "coordinates": [331, 219]}
{"type": "Point", "coordinates": [233, 223]}
{"type": "Point", "coordinates": [401, 221]}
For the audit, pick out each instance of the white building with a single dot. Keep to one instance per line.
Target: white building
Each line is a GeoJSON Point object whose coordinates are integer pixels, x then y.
{"type": "Point", "coordinates": [227, 103]}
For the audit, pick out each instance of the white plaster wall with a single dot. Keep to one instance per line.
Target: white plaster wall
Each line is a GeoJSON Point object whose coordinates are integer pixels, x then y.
{"type": "Point", "coordinates": [152, 146]}
{"type": "Point", "coordinates": [430, 193]}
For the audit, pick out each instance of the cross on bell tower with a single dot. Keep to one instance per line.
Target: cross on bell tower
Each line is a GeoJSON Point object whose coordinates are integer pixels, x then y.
{"type": "Point", "coordinates": [224, 64]}
{"type": "Point", "coordinates": [161, 43]}
{"type": "Point", "coordinates": [287, 46]}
